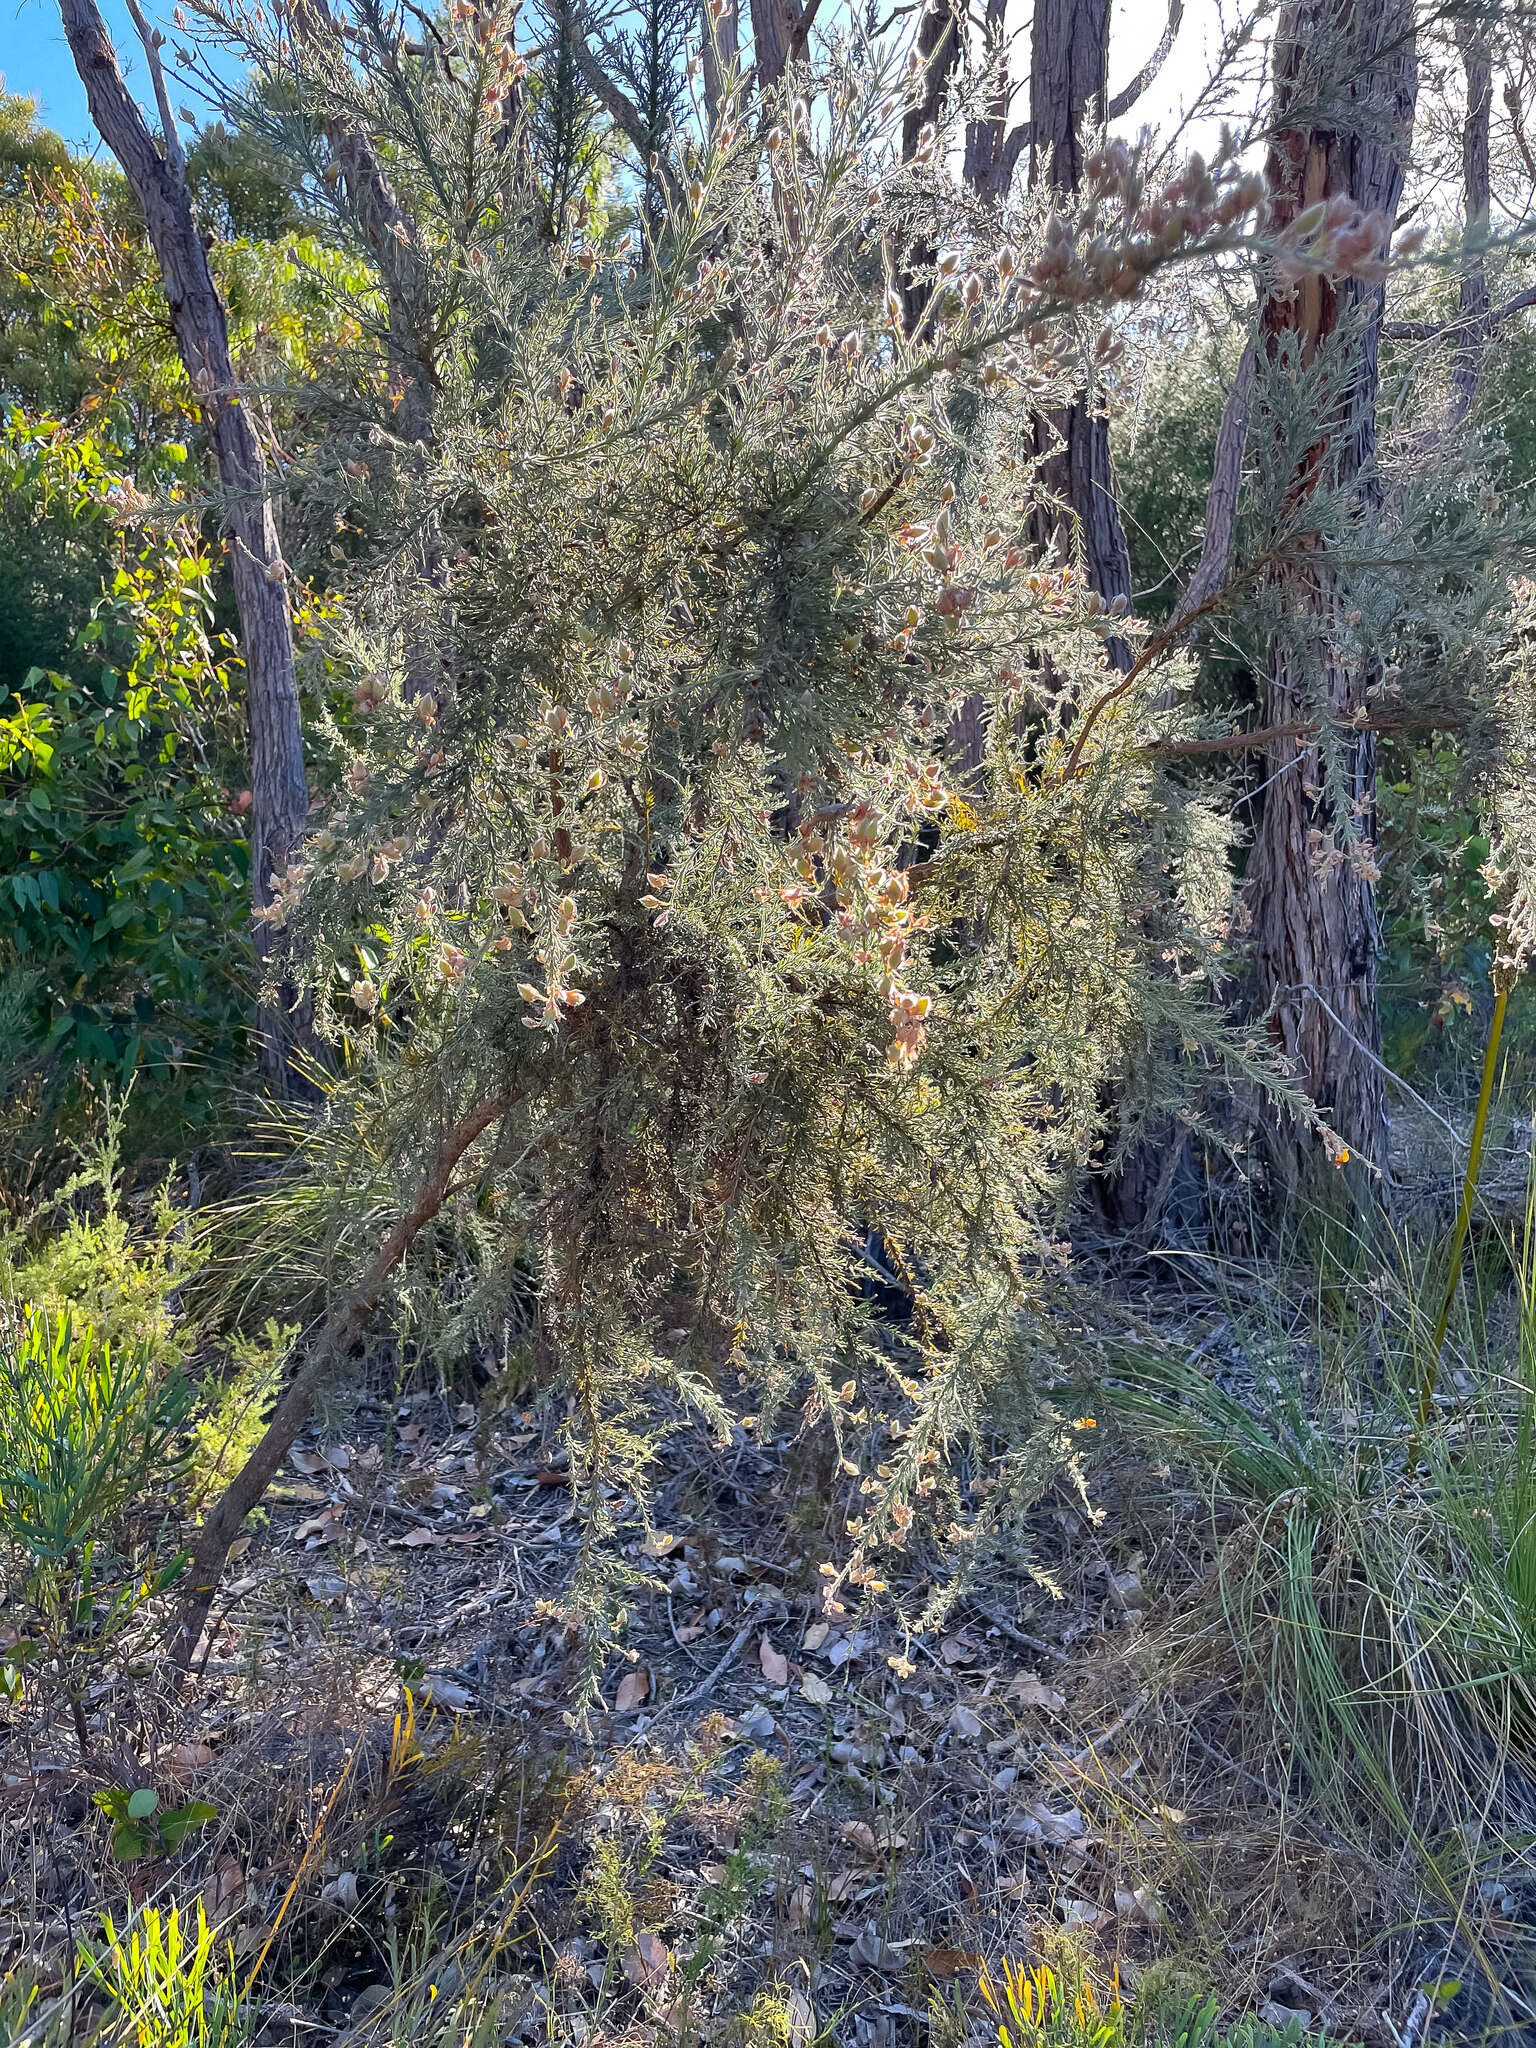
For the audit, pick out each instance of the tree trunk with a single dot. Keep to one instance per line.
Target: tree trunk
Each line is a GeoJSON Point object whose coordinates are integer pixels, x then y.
{"type": "Point", "coordinates": [1316, 935]}
{"type": "Point", "coordinates": [1068, 93]}
{"type": "Point", "coordinates": [279, 793]}
{"type": "Point", "coordinates": [1473, 319]}
{"type": "Point", "coordinates": [775, 31]}
{"type": "Point", "coordinates": [1068, 85]}
{"type": "Point", "coordinates": [721, 37]}
{"type": "Point", "coordinates": [940, 33]}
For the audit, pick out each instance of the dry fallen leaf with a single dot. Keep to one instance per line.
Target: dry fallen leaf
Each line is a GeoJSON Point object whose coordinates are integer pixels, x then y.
{"type": "Point", "coordinates": [815, 1636]}
{"type": "Point", "coordinates": [1029, 1691]}
{"type": "Point", "coordinates": [815, 1689]}
{"type": "Point", "coordinates": [445, 1692]}
{"type": "Point", "coordinates": [420, 1539]}
{"type": "Point", "coordinates": [799, 2018]}
{"type": "Point", "coordinates": [858, 1834]}
{"type": "Point", "coordinates": [308, 1462]}
{"type": "Point", "coordinates": [965, 1724]}
{"type": "Point", "coordinates": [648, 1961]}
{"type": "Point", "coordinates": [341, 1893]}
{"type": "Point", "coordinates": [661, 1543]}
{"type": "Point", "coordinates": [775, 1664]}
{"type": "Point", "coordinates": [875, 1953]}
{"type": "Point", "coordinates": [1140, 1906]}
{"type": "Point", "coordinates": [1077, 1913]}
{"type": "Point", "coordinates": [185, 1756]}
{"type": "Point", "coordinates": [634, 1689]}
{"type": "Point", "coordinates": [949, 1962]}
{"type": "Point", "coordinates": [223, 1891]}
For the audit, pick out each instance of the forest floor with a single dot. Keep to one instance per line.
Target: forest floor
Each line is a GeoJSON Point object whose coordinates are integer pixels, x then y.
{"type": "Point", "coordinates": [772, 1810]}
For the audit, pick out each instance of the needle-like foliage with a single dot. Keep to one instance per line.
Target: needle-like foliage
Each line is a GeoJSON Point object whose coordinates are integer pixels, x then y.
{"type": "Point", "coordinates": [764, 835]}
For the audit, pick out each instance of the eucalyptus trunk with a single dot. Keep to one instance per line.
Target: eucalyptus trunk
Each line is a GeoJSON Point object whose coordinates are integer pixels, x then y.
{"type": "Point", "coordinates": [1068, 98]}
{"type": "Point", "coordinates": [279, 792]}
{"type": "Point", "coordinates": [1315, 928]}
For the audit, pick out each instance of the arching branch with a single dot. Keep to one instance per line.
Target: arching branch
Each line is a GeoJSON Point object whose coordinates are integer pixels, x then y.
{"type": "Point", "coordinates": [1441, 330]}
{"type": "Point", "coordinates": [1128, 95]}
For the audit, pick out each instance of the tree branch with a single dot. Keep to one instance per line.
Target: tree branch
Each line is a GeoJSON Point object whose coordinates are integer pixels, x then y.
{"type": "Point", "coordinates": [171, 141]}
{"type": "Point", "coordinates": [620, 107]}
{"type": "Point", "coordinates": [346, 1322]}
{"type": "Point", "coordinates": [1431, 330]}
{"type": "Point", "coordinates": [1000, 177]}
{"type": "Point", "coordinates": [1221, 498]}
{"type": "Point", "coordinates": [1517, 126]}
{"type": "Point", "coordinates": [1263, 735]}
{"type": "Point", "coordinates": [1128, 95]}
{"type": "Point", "coordinates": [389, 233]}
{"type": "Point", "coordinates": [802, 32]}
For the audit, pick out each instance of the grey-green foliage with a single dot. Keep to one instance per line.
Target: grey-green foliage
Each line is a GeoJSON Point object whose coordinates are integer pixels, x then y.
{"type": "Point", "coordinates": [677, 876]}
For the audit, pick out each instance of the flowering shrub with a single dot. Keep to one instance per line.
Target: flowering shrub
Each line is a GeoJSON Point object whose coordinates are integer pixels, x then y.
{"type": "Point", "coordinates": [749, 833]}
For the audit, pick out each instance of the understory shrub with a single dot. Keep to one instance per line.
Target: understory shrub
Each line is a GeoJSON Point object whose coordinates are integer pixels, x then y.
{"type": "Point", "coordinates": [88, 1439]}
{"type": "Point", "coordinates": [748, 874]}
{"type": "Point", "coordinates": [122, 861]}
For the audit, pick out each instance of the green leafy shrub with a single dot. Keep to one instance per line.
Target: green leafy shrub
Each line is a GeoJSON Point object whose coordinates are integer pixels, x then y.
{"type": "Point", "coordinates": [232, 1408]}
{"type": "Point", "coordinates": [121, 862]}
{"type": "Point", "coordinates": [142, 1827]}
{"type": "Point", "coordinates": [94, 1267]}
{"type": "Point", "coordinates": [88, 1438]}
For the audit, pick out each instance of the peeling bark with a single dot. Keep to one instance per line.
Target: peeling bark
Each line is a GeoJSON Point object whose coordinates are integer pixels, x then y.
{"type": "Point", "coordinates": [1316, 934]}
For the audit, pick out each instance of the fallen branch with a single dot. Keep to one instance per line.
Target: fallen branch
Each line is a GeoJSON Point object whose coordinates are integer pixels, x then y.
{"type": "Point", "coordinates": [342, 1327]}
